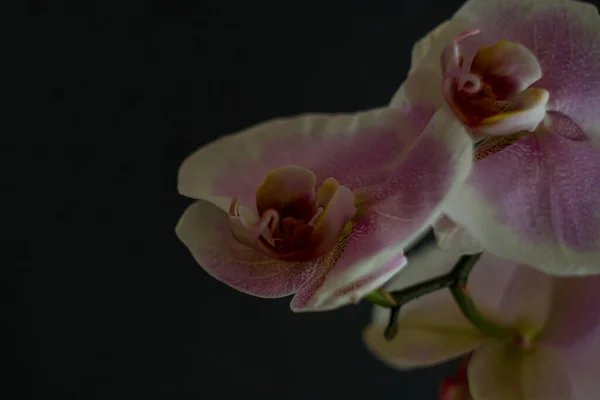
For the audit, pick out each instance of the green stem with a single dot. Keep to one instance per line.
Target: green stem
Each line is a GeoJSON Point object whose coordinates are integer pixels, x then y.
{"type": "Point", "coordinates": [415, 291]}
{"type": "Point", "coordinates": [456, 281]}
{"type": "Point", "coordinates": [461, 296]}
{"type": "Point", "coordinates": [459, 272]}
{"type": "Point", "coordinates": [470, 311]}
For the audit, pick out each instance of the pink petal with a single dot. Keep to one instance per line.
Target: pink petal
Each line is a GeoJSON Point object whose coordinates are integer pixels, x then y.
{"type": "Point", "coordinates": [564, 36]}
{"type": "Point", "coordinates": [419, 96]}
{"type": "Point", "coordinates": [537, 202]}
{"type": "Point", "coordinates": [205, 230]}
{"type": "Point", "coordinates": [574, 317]}
{"type": "Point", "coordinates": [582, 365]}
{"type": "Point", "coordinates": [332, 286]}
{"type": "Point", "coordinates": [395, 213]}
{"type": "Point", "coordinates": [431, 330]}
{"type": "Point", "coordinates": [527, 295]}
{"type": "Point", "coordinates": [352, 148]}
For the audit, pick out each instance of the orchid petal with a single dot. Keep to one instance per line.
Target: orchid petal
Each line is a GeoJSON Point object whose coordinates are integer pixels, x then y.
{"type": "Point", "coordinates": [564, 36]}
{"type": "Point", "coordinates": [500, 371]}
{"type": "Point", "coordinates": [537, 202]}
{"type": "Point", "coordinates": [582, 365]}
{"type": "Point", "coordinates": [352, 148]}
{"type": "Point", "coordinates": [394, 213]}
{"type": "Point", "coordinates": [544, 375]}
{"type": "Point", "coordinates": [206, 231]}
{"type": "Point", "coordinates": [419, 96]}
{"type": "Point", "coordinates": [432, 330]}
{"type": "Point", "coordinates": [574, 319]}
{"type": "Point", "coordinates": [494, 373]}
{"type": "Point", "coordinates": [336, 282]}
{"type": "Point", "coordinates": [527, 298]}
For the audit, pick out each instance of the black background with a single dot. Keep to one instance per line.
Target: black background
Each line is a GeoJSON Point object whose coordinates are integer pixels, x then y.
{"type": "Point", "coordinates": [103, 301]}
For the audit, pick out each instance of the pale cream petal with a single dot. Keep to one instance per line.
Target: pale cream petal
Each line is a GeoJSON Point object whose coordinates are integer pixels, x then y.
{"type": "Point", "coordinates": [431, 331]}
{"type": "Point", "coordinates": [494, 373]}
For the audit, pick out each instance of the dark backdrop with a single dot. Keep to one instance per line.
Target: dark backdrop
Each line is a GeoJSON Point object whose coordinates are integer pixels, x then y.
{"type": "Point", "coordinates": [103, 301]}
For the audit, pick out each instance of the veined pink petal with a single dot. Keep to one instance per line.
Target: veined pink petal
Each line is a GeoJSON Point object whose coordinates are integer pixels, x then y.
{"type": "Point", "coordinates": [351, 148]}
{"type": "Point", "coordinates": [332, 286]}
{"type": "Point", "coordinates": [564, 36]}
{"type": "Point", "coordinates": [432, 330]}
{"type": "Point", "coordinates": [392, 214]}
{"type": "Point", "coordinates": [419, 96]}
{"type": "Point", "coordinates": [537, 202]}
{"type": "Point", "coordinates": [206, 231]}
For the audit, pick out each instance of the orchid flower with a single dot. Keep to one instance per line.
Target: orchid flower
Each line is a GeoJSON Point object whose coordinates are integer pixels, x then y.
{"type": "Point", "coordinates": [545, 344]}
{"type": "Point", "coordinates": [320, 206]}
{"type": "Point", "coordinates": [524, 77]}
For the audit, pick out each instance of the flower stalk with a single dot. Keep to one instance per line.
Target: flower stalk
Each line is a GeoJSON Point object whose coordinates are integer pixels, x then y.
{"type": "Point", "coordinates": [456, 282]}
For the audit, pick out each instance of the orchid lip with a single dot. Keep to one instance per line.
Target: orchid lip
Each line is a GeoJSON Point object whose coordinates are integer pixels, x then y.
{"type": "Point", "coordinates": [294, 222]}
{"type": "Point", "coordinates": [493, 94]}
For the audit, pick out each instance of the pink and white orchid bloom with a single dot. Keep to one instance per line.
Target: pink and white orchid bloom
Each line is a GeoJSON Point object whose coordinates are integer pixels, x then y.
{"type": "Point", "coordinates": [523, 74]}
{"type": "Point", "coordinates": [319, 205]}
{"type": "Point", "coordinates": [551, 346]}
